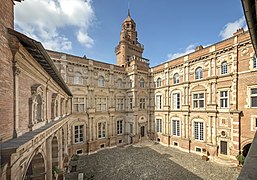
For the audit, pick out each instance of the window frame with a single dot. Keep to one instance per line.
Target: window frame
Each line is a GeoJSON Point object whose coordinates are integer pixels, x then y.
{"type": "Point", "coordinates": [120, 103]}
{"type": "Point", "coordinates": [158, 104]}
{"type": "Point", "coordinates": [176, 127]}
{"type": "Point", "coordinates": [158, 126]}
{"type": "Point", "coordinates": [158, 82]}
{"type": "Point", "coordinates": [199, 132]}
{"type": "Point", "coordinates": [77, 79]}
{"type": "Point", "coordinates": [142, 83]}
{"type": "Point", "coordinates": [101, 104]}
{"type": "Point", "coordinates": [176, 104]}
{"type": "Point", "coordinates": [101, 81]}
{"type": "Point", "coordinates": [198, 73]}
{"type": "Point", "coordinates": [142, 102]}
{"type": "Point", "coordinates": [119, 127]}
{"type": "Point", "coordinates": [101, 132]}
{"type": "Point", "coordinates": [176, 78]}
{"type": "Point", "coordinates": [253, 96]}
{"type": "Point", "coordinates": [254, 62]}
{"type": "Point", "coordinates": [224, 98]}
{"type": "Point", "coordinates": [78, 103]}
{"type": "Point", "coordinates": [198, 100]}
{"type": "Point", "coordinates": [80, 134]}
{"type": "Point", "coordinates": [224, 68]}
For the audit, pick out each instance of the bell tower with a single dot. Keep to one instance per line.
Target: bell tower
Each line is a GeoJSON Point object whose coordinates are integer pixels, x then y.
{"type": "Point", "coordinates": [128, 45]}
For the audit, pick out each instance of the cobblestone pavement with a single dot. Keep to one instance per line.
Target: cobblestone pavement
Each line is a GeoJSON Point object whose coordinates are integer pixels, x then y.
{"type": "Point", "coordinates": [149, 161]}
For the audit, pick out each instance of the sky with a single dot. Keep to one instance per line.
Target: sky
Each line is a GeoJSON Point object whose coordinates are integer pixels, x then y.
{"type": "Point", "coordinates": [167, 28]}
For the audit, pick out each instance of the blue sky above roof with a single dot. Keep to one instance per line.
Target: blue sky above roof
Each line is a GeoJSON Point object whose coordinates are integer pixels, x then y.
{"type": "Point", "coordinates": [167, 29]}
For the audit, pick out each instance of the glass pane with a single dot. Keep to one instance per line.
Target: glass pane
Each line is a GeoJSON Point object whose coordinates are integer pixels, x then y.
{"type": "Point", "coordinates": [253, 101]}
{"type": "Point", "coordinates": [254, 91]}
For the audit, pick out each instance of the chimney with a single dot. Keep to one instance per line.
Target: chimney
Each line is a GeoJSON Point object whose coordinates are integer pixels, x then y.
{"type": "Point", "coordinates": [197, 48]}
{"type": "Point", "coordinates": [238, 31]}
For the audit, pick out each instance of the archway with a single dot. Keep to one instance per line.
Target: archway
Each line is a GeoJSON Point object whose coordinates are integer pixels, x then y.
{"type": "Point", "coordinates": [246, 149]}
{"type": "Point", "coordinates": [36, 169]}
{"type": "Point", "coordinates": [55, 153]}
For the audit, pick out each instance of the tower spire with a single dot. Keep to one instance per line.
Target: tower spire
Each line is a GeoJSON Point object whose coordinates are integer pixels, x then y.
{"type": "Point", "coordinates": [128, 10]}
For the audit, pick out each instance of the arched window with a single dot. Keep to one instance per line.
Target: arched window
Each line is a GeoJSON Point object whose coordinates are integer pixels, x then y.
{"type": "Point", "coordinates": [224, 68]}
{"type": "Point", "coordinates": [176, 78]}
{"type": "Point", "coordinates": [119, 83]}
{"type": "Point", "coordinates": [142, 83]}
{"type": "Point", "coordinates": [77, 78]}
{"type": "Point", "coordinates": [199, 73]}
{"type": "Point", "coordinates": [101, 81]}
{"type": "Point", "coordinates": [159, 82]}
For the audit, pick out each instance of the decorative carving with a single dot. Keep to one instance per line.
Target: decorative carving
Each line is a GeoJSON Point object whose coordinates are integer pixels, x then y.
{"type": "Point", "coordinates": [244, 51]}
{"type": "Point", "coordinates": [16, 70]}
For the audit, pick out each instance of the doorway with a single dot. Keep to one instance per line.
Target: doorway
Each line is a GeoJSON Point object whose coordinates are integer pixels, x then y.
{"type": "Point", "coordinates": [223, 147]}
{"type": "Point", "coordinates": [142, 131]}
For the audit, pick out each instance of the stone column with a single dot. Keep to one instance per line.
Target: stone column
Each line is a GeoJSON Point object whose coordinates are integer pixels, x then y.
{"type": "Point", "coordinates": [16, 98]}
{"type": "Point", "coordinates": [60, 145]}
{"type": "Point", "coordinates": [49, 159]}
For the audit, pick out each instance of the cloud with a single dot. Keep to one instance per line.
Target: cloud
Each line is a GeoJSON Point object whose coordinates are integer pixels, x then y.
{"type": "Point", "coordinates": [189, 49]}
{"type": "Point", "coordinates": [231, 27]}
{"type": "Point", "coordinates": [84, 39]}
{"type": "Point", "coordinates": [48, 20]}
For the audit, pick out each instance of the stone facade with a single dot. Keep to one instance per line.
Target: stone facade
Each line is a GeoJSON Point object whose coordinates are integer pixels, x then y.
{"type": "Point", "coordinates": [209, 113]}
{"type": "Point", "coordinates": [203, 102]}
{"type": "Point", "coordinates": [199, 102]}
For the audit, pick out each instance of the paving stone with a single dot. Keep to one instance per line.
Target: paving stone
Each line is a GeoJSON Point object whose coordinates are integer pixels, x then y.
{"type": "Point", "coordinates": [149, 161]}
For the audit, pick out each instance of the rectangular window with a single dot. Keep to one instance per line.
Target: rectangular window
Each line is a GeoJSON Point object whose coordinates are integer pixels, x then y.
{"type": "Point", "coordinates": [176, 101]}
{"type": "Point", "coordinates": [101, 104]}
{"type": "Point", "coordinates": [142, 103]}
{"type": "Point", "coordinates": [176, 127]}
{"type": "Point", "coordinates": [101, 129]}
{"type": "Point", "coordinates": [253, 97]}
{"type": "Point", "coordinates": [198, 100]}
{"type": "Point", "coordinates": [78, 104]}
{"type": "Point", "coordinates": [131, 128]}
{"type": "Point", "coordinates": [224, 99]}
{"type": "Point", "coordinates": [159, 102]}
{"type": "Point", "coordinates": [78, 133]}
{"type": "Point", "coordinates": [198, 129]}
{"type": "Point", "coordinates": [130, 103]}
{"type": "Point", "coordinates": [119, 127]}
{"type": "Point", "coordinates": [158, 125]}
{"type": "Point", "coordinates": [120, 104]}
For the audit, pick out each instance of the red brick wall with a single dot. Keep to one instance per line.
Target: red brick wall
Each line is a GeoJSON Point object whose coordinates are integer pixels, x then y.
{"type": "Point", "coordinates": [6, 76]}
{"type": "Point", "coordinates": [6, 11]}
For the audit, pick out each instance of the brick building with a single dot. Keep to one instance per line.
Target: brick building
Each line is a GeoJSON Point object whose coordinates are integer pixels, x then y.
{"type": "Point", "coordinates": [204, 102]}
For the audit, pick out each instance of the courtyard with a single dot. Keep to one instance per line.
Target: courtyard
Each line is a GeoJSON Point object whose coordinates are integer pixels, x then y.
{"type": "Point", "coordinates": [148, 160]}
